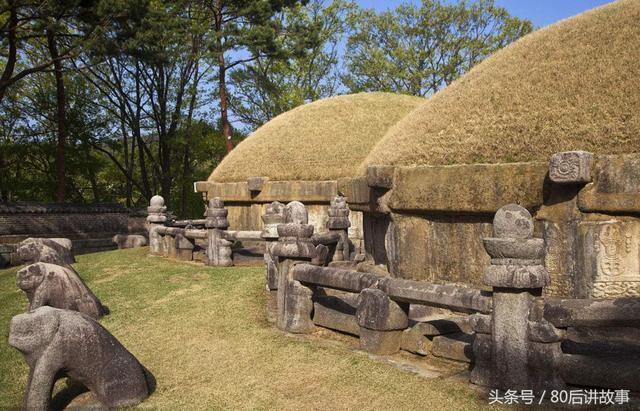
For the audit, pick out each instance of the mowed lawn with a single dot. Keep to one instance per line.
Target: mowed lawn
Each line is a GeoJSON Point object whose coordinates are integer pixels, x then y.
{"type": "Point", "coordinates": [203, 334]}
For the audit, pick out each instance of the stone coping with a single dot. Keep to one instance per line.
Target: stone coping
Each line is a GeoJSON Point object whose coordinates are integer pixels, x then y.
{"type": "Point", "coordinates": [462, 188]}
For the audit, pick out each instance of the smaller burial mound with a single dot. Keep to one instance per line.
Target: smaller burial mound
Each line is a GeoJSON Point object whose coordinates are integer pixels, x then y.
{"type": "Point", "coordinates": [323, 140]}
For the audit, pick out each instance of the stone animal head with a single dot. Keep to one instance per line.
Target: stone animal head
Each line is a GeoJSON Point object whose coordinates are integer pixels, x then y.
{"type": "Point", "coordinates": [46, 250]}
{"type": "Point", "coordinates": [30, 277]}
{"type": "Point", "coordinates": [32, 331]}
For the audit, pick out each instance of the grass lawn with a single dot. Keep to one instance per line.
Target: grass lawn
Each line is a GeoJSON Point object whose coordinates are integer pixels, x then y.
{"type": "Point", "coordinates": [202, 332]}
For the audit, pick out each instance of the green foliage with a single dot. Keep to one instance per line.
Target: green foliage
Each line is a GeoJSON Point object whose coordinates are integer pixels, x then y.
{"type": "Point", "coordinates": [267, 87]}
{"type": "Point", "coordinates": [420, 49]}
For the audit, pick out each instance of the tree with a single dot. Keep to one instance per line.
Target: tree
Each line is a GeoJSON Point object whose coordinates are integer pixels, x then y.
{"type": "Point", "coordinates": [242, 32]}
{"type": "Point", "coordinates": [420, 49]}
{"type": "Point", "coordinates": [267, 87]}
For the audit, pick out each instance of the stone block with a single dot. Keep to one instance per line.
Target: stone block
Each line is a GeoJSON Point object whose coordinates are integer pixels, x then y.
{"type": "Point", "coordinates": [380, 342]}
{"type": "Point", "coordinates": [615, 187]}
{"type": "Point", "coordinates": [480, 323]}
{"type": "Point", "coordinates": [571, 167]}
{"type": "Point", "coordinates": [545, 332]}
{"type": "Point", "coordinates": [544, 362]}
{"type": "Point", "coordinates": [442, 326]}
{"type": "Point", "coordinates": [481, 366]}
{"type": "Point", "coordinates": [256, 184]}
{"type": "Point", "coordinates": [622, 312]}
{"type": "Point", "coordinates": [603, 341]}
{"type": "Point", "coordinates": [376, 311]}
{"type": "Point", "coordinates": [429, 249]}
{"type": "Point", "coordinates": [415, 341]}
{"type": "Point", "coordinates": [456, 347]}
{"type": "Point", "coordinates": [50, 338]}
{"type": "Point", "coordinates": [603, 372]}
{"type": "Point", "coordinates": [474, 189]}
{"type": "Point", "coordinates": [297, 310]}
{"type": "Point", "coordinates": [380, 176]}
{"type": "Point", "coordinates": [331, 314]}
{"type": "Point", "coordinates": [356, 190]}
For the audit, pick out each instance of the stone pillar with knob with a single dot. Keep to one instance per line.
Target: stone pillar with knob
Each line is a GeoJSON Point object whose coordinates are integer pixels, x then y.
{"type": "Point", "coordinates": [517, 276]}
{"type": "Point", "coordinates": [294, 302]}
{"type": "Point", "coordinates": [219, 252]}
{"type": "Point", "coordinates": [339, 222]}
{"type": "Point", "coordinates": [156, 217]}
{"type": "Point", "coordinates": [273, 216]}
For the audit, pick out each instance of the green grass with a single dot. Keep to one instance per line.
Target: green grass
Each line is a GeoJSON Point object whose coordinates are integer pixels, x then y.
{"type": "Point", "coordinates": [202, 332]}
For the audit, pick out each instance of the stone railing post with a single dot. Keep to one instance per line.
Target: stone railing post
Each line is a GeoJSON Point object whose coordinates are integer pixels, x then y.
{"type": "Point", "coordinates": [339, 222]}
{"type": "Point", "coordinates": [273, 216]}
{"type": "Point", "coordinates": [517, 276]}
{"type": "Point", "coordinates": [157, 216]}
{"type": "Point", "coordinates": [295, 303]}
{"type": "Point", "coordinates": [218, 249]}
{"type": "Point", "coordinates": [381, 322]}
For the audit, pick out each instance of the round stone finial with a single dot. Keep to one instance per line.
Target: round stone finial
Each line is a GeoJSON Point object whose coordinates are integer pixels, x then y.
{"type": "Point", "coordinates": [513, 221]}
{"type": "Point", "coordinates": [216, 202]}
{"type": "Point", "coordinates": [296, 213]}
{"type": "Point", "coordinates": [156, 201]}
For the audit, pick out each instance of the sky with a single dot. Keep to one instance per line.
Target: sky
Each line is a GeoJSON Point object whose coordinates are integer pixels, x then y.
{"type": "Point", "coordinates": [540, 12]}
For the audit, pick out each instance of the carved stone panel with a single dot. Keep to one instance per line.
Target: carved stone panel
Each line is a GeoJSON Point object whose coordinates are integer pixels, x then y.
{"type": "Point", "coordinates": [611, 258]}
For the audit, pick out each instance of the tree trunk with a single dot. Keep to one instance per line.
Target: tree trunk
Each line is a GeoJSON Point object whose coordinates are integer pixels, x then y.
{"type": "Point", "coordinates": [61, 117]}
{"type": "Point", "coordinates": [13, 49]}
{"type": "Point", "coordinates": [222, 80]}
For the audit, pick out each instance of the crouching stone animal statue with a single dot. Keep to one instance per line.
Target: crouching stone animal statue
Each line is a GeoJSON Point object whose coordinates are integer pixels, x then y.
{"type": "Point", "coordinates": [46, 250]}
{"type": "Point", "coordinates": [59, 287]}
{"type": "Point", "coordinates": [58, 343]}
{"type": "Point", "coordinates": [129, 240]}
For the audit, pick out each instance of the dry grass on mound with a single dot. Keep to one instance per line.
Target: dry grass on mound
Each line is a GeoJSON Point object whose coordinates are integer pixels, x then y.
{"type": "Point", "coordinates": [202, 333]}
{"type": "Point", "coordinates": [572, 85]}
{"type": "Point", "coordinates": [323, 140]}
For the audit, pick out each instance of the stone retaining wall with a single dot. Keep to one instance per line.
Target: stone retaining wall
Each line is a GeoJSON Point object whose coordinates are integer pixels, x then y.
{"type": "Point", "coordinates": [90, 227]}
{"type": "Point", "coordinates": [427, 222]}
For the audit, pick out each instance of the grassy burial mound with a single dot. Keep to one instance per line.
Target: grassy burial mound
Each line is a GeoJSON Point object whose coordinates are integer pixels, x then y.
{"type": "Point", "coordinates": [323, 140]}
{"type": "Point", "coordinates": [572, 85]}
{"type": "Point", "coordinates": [202, 333]}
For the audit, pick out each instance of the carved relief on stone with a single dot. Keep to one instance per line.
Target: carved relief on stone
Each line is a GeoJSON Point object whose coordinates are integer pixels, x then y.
{"type": "Point", "coordinates": [614, 248]}
{"type": "Point", "coordinates": [570, 167]}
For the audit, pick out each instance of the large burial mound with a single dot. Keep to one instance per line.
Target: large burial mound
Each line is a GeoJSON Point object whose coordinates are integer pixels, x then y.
{"type": "Point", "coordinates": [323, 140]}
{"type": "Point", "coordinates": [572, 85]}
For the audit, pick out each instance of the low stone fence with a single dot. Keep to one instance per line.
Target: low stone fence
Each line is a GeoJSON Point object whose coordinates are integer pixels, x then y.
{"type": "Point", "coordinates": [513, 336]}
{"type": "Point", "coordinates": [210, 240]}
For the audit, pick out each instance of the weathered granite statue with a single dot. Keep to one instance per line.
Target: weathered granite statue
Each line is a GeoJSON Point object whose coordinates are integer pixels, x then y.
{"type": "Point", "coordinates": [339, 222]}
{"type": "Point", "coordinates": [273, 216]}
{"type": "Point", "coordinates": [57, 343]}
{"type": "Point", "coordinates": [57, 286]}
{"type": "Point", "coordinates": [129, 240]}
{"type": "Point", "coordinates": [46, 250]}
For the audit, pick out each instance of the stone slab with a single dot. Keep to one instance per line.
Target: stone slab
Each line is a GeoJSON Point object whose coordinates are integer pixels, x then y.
{"type": "Point", "coordinates": [474, 188]}
{"type": "Point", "coordinates": [601, 372]}
{"type": "Point", "coordinates": [356, 190]}
{"type": "Point", "coordinates": [456, 347]}
{"type": "Point", "coordinates": [380, 342]}
{"type": "Point", "coordinates": [616, 185]}
{"type": "Point", "coordinates": [621, 312]}
{"type": "Point", "coordinates": [380, 176]}
{"type": "Point", "coordinates": [283, 191]}
{"type": "Point", "coordinates": [609, 256]}
{"type": "Point", "coordinates": [335, 315]}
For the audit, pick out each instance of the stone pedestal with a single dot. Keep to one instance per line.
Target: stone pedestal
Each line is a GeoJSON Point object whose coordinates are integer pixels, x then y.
{"type": "Point", "coordinates": [294, 302]}
{"type": "Point", "coordinates": [339, 222]}
{"type": "Point", "coordinates": [157, 216]}
{"type": "Point", "coordinates": [219, 252]}
{"type": "Point", "coordinates": [274, 215]}
{"type": "Point", "coordinates": [517, 276]}
{"type": "Point", "coordinates": [184, 248]}
{"type": "Point", "coordinates": [382, 322]}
